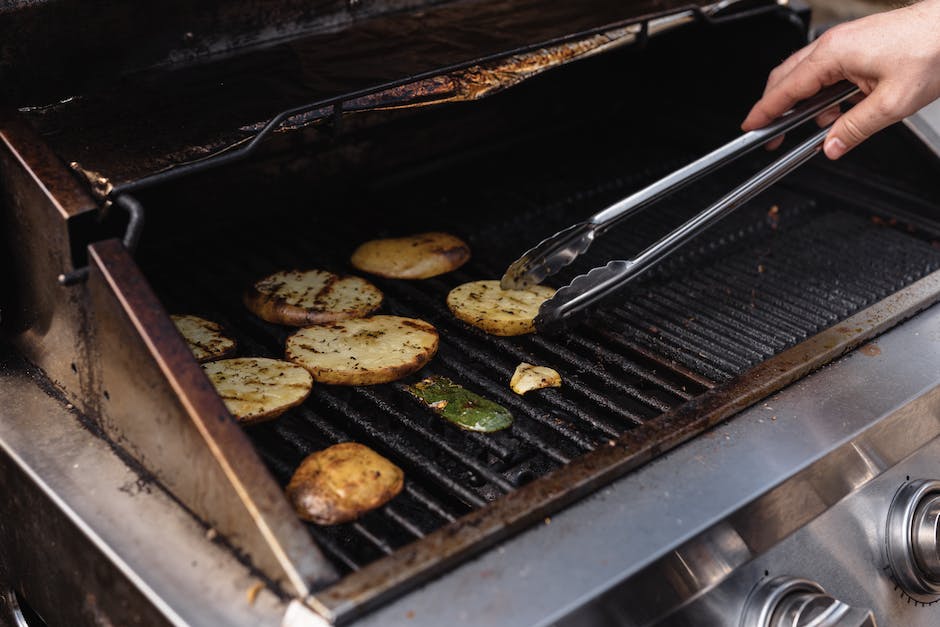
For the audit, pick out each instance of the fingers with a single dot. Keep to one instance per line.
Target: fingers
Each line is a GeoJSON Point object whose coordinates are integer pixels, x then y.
{"type": "Point", "coordinates": [811, 73]}
{"type": "Point", "coordinates": [782, 70]}
{"type": "Point", "coordinates": [776, 75]}
{"type": "Point", "coordinates": [828, 116]}
{"type": "Point", "coordinates": [775, 143]}
{"type": "Point", "coordinates": [862, 121]}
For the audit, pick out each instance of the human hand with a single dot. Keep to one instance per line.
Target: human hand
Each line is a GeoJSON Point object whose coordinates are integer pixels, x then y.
{"type": "Point", "coordinates": [893, 58]}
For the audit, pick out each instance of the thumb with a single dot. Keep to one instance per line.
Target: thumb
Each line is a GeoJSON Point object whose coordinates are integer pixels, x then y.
{"type": "Point", "coordinates": [859, 123]}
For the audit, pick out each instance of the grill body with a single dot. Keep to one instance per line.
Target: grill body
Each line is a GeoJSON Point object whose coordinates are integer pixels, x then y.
{"type": "Point", "coordinates": [812, 269]}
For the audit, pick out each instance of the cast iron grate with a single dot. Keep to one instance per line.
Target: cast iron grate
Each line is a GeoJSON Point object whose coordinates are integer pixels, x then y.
{"type": "Point", "coordinates": [761, 282]}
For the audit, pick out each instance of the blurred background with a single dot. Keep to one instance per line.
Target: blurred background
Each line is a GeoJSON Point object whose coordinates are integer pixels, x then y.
{"type": "Point", "coordinates": [829, 12]}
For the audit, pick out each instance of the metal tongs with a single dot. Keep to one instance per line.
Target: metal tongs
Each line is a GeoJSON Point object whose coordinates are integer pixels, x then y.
{"type": "Point", "coordinates": [561, 249]}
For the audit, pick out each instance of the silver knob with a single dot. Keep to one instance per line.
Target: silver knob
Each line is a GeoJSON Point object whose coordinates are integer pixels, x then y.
{"type": "Point", "coordinates": [912, 539]}
{"type": "Point", "coordinates": [792, 602]}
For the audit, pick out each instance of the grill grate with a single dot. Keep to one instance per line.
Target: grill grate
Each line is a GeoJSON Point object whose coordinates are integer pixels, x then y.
{"type": "Point", "coordinates": [757, 285]}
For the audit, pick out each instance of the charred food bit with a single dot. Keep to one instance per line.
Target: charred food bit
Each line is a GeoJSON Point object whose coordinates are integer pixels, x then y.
{"type": "Point", "coordinates": [256, 389]}
{"type": "Point", "coordinates": [366, 351]}
{"type": "Point", "coordinates": [302, 297]}
{"type": "Point", "coordinates": [205, 338]}
{"type": "Point", "coordinates": [414, 257]}
{"type": "Point", "coordinates": [341, 483]}
{"type": "Point", "coordinates": [528, 377]}
{"type": "Point", "coordinates": [460, 406]}
{"type": "Point", "coordinates": [485, 305]}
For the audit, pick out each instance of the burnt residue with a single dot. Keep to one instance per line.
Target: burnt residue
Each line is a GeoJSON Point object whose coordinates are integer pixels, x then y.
{"type": "Point", "coordinates": [146, 121]}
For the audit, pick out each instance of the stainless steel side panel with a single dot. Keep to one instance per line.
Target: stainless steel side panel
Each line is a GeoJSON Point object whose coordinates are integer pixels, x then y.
{"type": "Point", "coordinates": [87, 542]}
{"type": "Point", "coordinates": [842, 550]}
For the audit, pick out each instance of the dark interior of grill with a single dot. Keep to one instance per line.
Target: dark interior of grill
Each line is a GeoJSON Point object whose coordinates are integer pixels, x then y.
{"type": "Point", "coordinates": [504, 173]}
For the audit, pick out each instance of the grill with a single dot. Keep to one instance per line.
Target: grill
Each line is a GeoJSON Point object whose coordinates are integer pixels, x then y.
{"type": "Point", "coordinates": [791, 264]}
{"type": "Point", "coordinates": [811, 269]}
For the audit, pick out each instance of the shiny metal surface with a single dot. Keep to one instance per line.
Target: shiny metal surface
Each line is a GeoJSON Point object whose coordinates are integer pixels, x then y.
{"type": "Point", "coordinates": [924, 536]}
{"type": "Point", "coordinates": [842, 550]}
{"type": "Point", "coordinates": [793, 602]}
{"type": "Point", "coordinates": [11, 607]}
{"type": "Point", "coordinates": [587, 289]}
{"type": "Point", "coordinates": [113, 546]}
{"type": "Point", "coordinates": [558, 251]}
{"type": "Point", "coordinates": [909, 541]}
{"type": "Point", "coordinates": [925, 124]}
{"type": "Point", "coordinates": [692, 521]}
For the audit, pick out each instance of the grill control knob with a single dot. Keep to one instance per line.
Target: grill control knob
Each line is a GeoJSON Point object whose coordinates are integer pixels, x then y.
{"type": "Point", "coordinates": [792, 602]}
{"type": "Point", "coordinates": [912, 539]}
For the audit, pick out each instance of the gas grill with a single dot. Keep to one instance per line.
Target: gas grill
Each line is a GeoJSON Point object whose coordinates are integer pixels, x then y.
{"type": "Point", "coordinates": [229, 144]}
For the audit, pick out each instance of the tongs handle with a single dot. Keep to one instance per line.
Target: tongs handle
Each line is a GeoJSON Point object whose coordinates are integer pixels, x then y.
{"type": "Point", "coordinates": [734, 149]}
{"type": "Point", "coordinates": [588, 288]}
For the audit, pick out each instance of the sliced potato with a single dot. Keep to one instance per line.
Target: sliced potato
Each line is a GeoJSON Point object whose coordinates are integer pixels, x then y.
{"type": "Point", "coordinates": [366, 351]}
{"type": "Point", "coordinates": [302, 297]}
{"type": "Point", "coordinates": [205, 338]}
{"type": "Point", "coordinates": [256, 389]}
{"type": "Point", "coordinates": [414, 257]}
{"type": "Point", "coordinates": [528, 377]}
{"type": "Point", "coordinates": [485, 305]}
{"type": "Point", "coordinates": [341, 483]}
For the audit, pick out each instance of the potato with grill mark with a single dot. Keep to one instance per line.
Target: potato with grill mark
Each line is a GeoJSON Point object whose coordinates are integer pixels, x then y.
{"type": "Point", "coordinates": [528, 377]}
{"type": "Point", "coordinates": [299, 298]}
{"type": "Point", "coordinates": [342, 482]}
{"type": "Point", "coordinates": [204, 337]}
{"type": "Point", "coordinates": [365, 351]}
{"type": "Point", "coordinates": [256, 389]}
{"type": "Point", "coordinates": [485, 305]}
{"type": "Point", "coordinates": [419, 256]}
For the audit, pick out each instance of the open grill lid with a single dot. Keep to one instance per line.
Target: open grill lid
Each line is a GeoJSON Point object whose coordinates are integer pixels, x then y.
{"type": "Point", "coordinates": [129, 102]}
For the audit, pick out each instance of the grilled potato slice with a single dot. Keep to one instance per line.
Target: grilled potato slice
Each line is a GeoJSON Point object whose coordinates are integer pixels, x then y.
{"type": "Point", "coordinates": [205, 338]}
{"type": "Point", "coordinates": [485, 305]}
{"type": "Point", "coordinates": [365, 351]}
{"type": "Point", "coordinates": [414, 257]}
{"type": "Point", "coordinates": [528, 377]}
{"type": "Point", "coordinates": [256, 389]}
{"type": "Point", "coordinates": [341, 483]}
{"type": "Point", "coordinates": [299, 298]}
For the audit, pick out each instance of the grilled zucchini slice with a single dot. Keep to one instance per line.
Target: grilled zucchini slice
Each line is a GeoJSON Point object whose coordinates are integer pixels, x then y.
{"type": "Point", "coordinates": [485, 305]}
{"type": "Point", "coordinates": [205, 338]}
{"type": "Point", "coordinates": [256, 389]}
{"type": "Point", "coordinates": [302, 297]}
{"type": "Point", "coordinates": [342, 482]}
{"type": "Point", "coordinates": [414, 257]}
{"type": "Point", "coordinates": [366, 351]}
{"type": "Point", "coordinates": [460, 406]}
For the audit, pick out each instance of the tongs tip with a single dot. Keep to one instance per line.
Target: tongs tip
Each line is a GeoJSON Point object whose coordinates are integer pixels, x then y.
{"type": "Point", "coordinates": [548, 257]}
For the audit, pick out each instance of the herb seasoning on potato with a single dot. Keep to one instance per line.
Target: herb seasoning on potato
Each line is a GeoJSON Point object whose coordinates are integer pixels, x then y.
{"type": "Point", "coordinates": [256, 389]}
{"type": "Point", "coordinates": [342, 482]}
{"type": "Point", "coordinates": [485, 305]}
{"type": "Point", "coordinates": [366, 351]}
{"type": "Point", "coordinates": [414, 257]}
{"type": "Point", "coordinates": [303, 297]}
{"type": "Point", "coordinates": [204, 337]}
